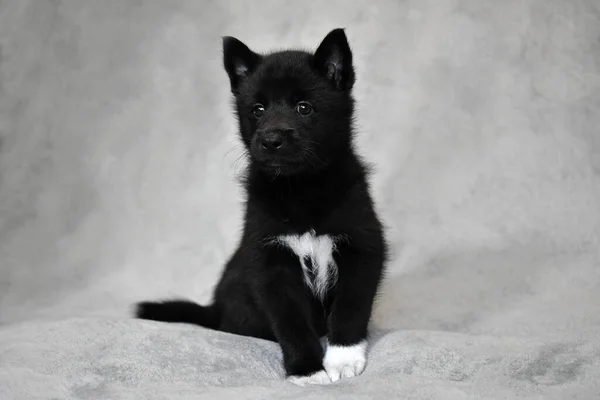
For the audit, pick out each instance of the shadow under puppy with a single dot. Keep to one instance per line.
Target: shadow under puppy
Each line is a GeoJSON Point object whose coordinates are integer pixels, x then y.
{"type": "Point", "coordinates": [312, 252]}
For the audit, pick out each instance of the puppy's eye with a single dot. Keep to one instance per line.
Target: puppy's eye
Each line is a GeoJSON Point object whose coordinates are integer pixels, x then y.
{"type": "Point", "coordinates": [304, 108]}
{"type": "Point", "coordinates": [258, 110]}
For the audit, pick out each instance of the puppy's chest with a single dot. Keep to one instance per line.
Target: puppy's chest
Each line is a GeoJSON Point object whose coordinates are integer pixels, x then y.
{"type": "Point", "coordinates": [316, 256]}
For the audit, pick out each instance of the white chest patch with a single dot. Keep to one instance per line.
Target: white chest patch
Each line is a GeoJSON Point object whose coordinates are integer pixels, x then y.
{"type": "Point", "coordinates": [315, 253]}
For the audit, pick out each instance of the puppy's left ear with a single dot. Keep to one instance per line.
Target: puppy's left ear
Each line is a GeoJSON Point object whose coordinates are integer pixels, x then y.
{"type": "Point", "coordinates": [333, 59]}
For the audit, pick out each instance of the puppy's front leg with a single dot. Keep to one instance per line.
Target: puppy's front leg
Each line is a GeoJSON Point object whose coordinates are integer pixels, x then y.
{"type": "Point", "coordinates": [359, 275]}
{"type": "Point", "coordinates": [282, 296]}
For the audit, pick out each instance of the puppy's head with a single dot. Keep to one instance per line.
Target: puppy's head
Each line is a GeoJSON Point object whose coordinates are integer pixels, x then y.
{"type": "Point", "coordinates": [294, 107]}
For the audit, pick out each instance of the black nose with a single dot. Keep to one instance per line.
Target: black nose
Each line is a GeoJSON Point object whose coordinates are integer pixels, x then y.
{"type": "Point", "coordinates": [272, 141]}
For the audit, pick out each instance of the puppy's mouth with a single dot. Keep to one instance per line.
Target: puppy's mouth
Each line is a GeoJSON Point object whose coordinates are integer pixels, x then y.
{"type": "Point", "coordinates": [279, 167]}
{"type": "Point", "coordinates": [287, 162]}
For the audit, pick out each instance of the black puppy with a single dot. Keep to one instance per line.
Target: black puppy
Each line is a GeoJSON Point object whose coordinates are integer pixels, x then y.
{"type": "Point", "coordinates": [312, 252]}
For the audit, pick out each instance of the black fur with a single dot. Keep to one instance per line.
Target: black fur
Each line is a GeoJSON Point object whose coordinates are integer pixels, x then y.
{"type": "Point", "coordinates": [303, 174]}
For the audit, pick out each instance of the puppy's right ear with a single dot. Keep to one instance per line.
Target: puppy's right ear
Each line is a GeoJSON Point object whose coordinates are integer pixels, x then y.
{"type": "Point", "coordinates": [239, 61]}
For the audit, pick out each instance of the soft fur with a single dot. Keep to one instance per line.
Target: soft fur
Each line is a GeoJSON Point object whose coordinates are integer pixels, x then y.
{"type": "Point", "coordinates": [312, 251]}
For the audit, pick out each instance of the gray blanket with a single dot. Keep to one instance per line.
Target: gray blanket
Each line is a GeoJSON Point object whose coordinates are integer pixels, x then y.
{"type": "Point", "coordinates": [118, 168]}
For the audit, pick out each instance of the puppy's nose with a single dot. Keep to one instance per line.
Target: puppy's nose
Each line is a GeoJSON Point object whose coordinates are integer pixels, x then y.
{"type": "Point", "coordinates": [272, 141]}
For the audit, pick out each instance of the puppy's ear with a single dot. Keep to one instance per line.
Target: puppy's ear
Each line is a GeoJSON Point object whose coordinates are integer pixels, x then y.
{"type": "Point", "coordinates": [239, 61]}
{"type": "Point", "coordinates": [334, 59]}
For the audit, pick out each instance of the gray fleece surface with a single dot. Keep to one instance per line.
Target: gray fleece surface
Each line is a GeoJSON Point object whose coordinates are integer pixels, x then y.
{"type": "Point", "coordinates": [118, 168]}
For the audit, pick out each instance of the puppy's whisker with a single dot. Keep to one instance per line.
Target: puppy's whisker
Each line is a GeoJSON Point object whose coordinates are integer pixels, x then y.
{"type": "Point", "coordinates": [238, 163]}
{"type": "Point", "coordinates": [314, 157]}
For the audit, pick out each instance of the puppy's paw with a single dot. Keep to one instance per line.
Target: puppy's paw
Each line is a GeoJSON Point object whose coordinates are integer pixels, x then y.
{"type": "Point", "coordinates": [318, 378]}
{"type": "Point", "coordinates": [345, 361]}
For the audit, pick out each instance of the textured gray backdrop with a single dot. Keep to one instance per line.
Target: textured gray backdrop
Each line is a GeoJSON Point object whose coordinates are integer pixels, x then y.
{"type": "Point", "coordinates": [119, 159]}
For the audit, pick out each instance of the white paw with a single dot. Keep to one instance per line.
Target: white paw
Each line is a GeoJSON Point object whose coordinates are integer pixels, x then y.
{"type": "Point", "coordinates": [318, 378]}
{"type": "Point", "coordinates": [345, 361]}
